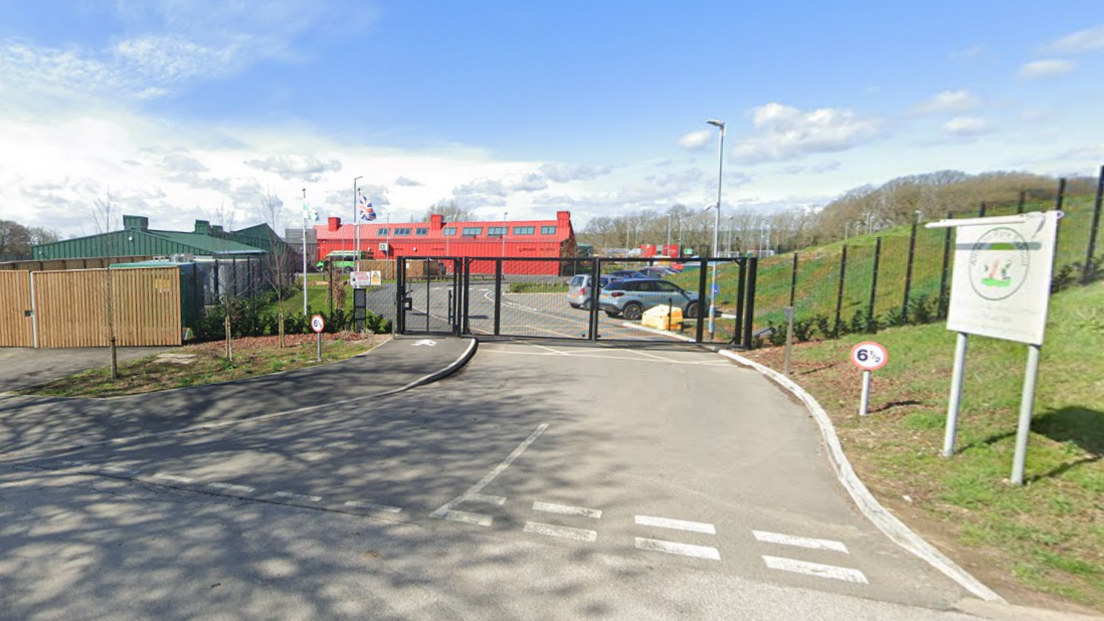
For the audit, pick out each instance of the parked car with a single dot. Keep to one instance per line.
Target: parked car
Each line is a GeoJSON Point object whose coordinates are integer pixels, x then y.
{"type": "Point", "coordinates": [579, 291]}
{"type": "Point", "coordinates": [656, 271]}
{"type": "Point", "coordinates": [622, 274]}
{"type": "Point", "coordinates": [630, 298]}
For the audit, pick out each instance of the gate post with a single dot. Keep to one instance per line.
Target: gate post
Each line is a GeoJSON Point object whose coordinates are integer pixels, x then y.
{"type": "Point", "coordinates": [467, 294]}
{"type": "Point", "coordinates": [753, 267]}
{"type": "Point", "coordinates": [702, 268]}
{"type": "Point", "coordinates": [595, 285]}
{"type": "Point", "coordinates": [741, 303]}
{"type": "Point", "coordinates": [400, 296]}
{"type": "Point", "coordinates": [498, 296]}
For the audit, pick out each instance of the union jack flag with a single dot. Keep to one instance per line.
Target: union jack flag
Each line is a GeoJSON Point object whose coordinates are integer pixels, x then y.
{"type": "Point", "coordinates": [365, 211]}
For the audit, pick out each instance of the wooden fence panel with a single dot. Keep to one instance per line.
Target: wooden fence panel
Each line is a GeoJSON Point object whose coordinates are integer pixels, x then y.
{"type": "Point", "coordinates": [16, 327]}
{"type": "Point", "coordinates": [72, 307]}
{"type": "Point", "coordinates": [147, 306]}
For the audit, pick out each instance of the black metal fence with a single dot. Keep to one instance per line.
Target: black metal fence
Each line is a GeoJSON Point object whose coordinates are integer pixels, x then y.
{"type": "Point", "coordinates": [706, 301]}
{"type": "Point", "coordinates": [903, 276]}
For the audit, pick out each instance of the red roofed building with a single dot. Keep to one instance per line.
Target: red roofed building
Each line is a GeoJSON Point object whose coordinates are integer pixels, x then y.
{"type": "Point", "coordinates": [548, 239]}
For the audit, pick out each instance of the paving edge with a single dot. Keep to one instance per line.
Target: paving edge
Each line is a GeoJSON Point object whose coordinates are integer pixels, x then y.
{"type": "Point", "coordinates": [425, 379]}
{"type": "Point", "coordinates": [888, 523]}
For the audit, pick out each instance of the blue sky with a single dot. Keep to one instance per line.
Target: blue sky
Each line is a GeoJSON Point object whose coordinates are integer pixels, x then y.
{"type": "Point", "coordinates": [180, 108]}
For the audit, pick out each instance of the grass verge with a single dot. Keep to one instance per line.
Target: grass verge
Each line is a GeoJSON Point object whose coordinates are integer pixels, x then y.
{"type": "Point", "coordinates": [251, 357]}
{"type": "Point", "coordinates": [1041, 544]}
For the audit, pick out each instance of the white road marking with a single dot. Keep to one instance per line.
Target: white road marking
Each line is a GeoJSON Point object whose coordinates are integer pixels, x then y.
{"type": "Point", "coordinates": [816, 569]}
{"type": "Point", "coordinates": [232, 487]}
{"type": "Point", "coordinates": [172, 477]}
{"type": "Point", "coordinates": [625, 358]}
{"type": "Point", "coordinates": [79, 464]}
{"type": "Point", "coordinates": [549, 507]}
{"type": "Point", "coordinates": [485, 481]}
{"type": "Point", "coordinates": [119, 470]}
{"type": "Point", "coordinates": [488, 499]}
{"type": "Point", "coordinates": [801, 542]}
{"type": "Point", "coordinates": [295, 496]}
{"type": "Point", "coordinates": [551, 530]}
{"type": "Point", "coordinates": [694, 527]}
{"type": "Point", "coordinates": [372, 506]}
{"type": "Point", "coordinates": [467, 518]}
{"type": "Point", "coordinates": [683, 549]}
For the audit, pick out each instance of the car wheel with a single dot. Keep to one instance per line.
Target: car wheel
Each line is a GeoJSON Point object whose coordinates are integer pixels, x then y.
{"type": "Point", "coordinates": [693, 309]}
{"type": "Point", "coordinates": [586, 305]}
{"type": "Point", "coordinates": [633, 311]}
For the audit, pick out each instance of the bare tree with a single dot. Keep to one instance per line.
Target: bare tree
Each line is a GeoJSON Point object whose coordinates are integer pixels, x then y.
{"type": "Point", "coordinates": [104, 215]}
{"type": "Point", "coordinates": [270, 210]}
{"type": "Point", "coordinates": [451, 211]}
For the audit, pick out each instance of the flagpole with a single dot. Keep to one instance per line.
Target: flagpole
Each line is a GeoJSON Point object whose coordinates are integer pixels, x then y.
{"type": "Point", "coordinates": [306, 214]}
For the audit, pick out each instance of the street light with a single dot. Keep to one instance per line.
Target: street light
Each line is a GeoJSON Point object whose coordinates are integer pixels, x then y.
{"type": "Point", "coordinates": [716, 222]}
{"type": "Point", "coordinates": [665, 250]}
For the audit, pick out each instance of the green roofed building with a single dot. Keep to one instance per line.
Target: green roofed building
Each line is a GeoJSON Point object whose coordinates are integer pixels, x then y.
{"type": "Point", "coordinates": [138, 240]}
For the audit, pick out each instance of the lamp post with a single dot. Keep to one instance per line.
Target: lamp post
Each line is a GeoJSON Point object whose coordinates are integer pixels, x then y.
{"type": "Point", "coordinates": [728, 245]}
{"type": "Point", "coordinates": [668, 233]}
{"type": "Point", "coordinates": [716, 222]}
{"type": "Point", "coordinates": [504, 233]}
{"type": "Point", "coordinates": [306, 214]}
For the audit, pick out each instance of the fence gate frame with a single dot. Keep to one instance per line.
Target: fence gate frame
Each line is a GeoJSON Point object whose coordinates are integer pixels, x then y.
{"type": "Point", "coordinates": [404, 300]}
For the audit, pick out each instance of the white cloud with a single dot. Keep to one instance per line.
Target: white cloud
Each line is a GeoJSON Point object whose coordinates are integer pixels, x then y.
{"type": "Point", "coordinates": [964, 126]}
{"type": "Point", "coordinates": [1046, 68]}
{"type": "Point", "coordinates": [1091, 153]}
{"type": "Point", "coordinates": [696, 141]}
{"type": "Point", "coordinates": [949, 102]}
{"type": "Point", "coordinates": [816, 169]}
{"type": "Point", "coordinates": [1080, 42]}
{"type": "Point", "coordinates": [410, 183]}
{"type": "Point", "coordinates": [296, 167]}
{"type": "Point", "coordinates": [561, 173]}
{"type": "Point", "coordinates": [783, 132]}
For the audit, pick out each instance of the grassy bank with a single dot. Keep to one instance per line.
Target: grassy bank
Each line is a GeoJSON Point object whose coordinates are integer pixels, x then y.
{"type": "Point", "coordinates": [208, 365]}
{"type": "Point", "coordinates": [1042, 543]}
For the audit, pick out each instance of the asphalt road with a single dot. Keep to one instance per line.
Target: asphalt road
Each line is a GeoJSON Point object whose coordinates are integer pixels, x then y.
{"type": "Point", "coordinates": [543, 481]}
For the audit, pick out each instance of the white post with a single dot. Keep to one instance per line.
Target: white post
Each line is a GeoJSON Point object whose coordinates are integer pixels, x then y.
{"type": "Point", "coordinates": [1027, 402]}
{"type": "Point", "coordinates": [304, 252]}
{"type": "Point", "coordinates": [955, 400]}
{"type": "Point", "coordinates": [864, 403]}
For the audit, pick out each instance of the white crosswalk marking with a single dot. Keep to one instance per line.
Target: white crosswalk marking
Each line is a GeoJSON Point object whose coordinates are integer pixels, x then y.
{"type": "Point", "coordinates": [294, 496]}
{"type": "Point", "coordinates": [551, 530]}
{"type": "Point", "coordinates": [466, 517]}
{"type": "Point", "coordinates": [801, 542]}
{"type": "Point", "coordinates": [231, 487]}
{"type": "Point", "coordinates": [816, 569]}
{"type": "Point", "coordinates": [683, 549]}
{"type": "Point", "coordinates": [372, 506]}
{"type": "Point", "coordinates": [694, 527]}
{"type": "Point", "coordinates": [172, 477]}
{"type": "Point", "coordinates": [487, 498]}
{"type": "Point", "coordinates": [551, 507]}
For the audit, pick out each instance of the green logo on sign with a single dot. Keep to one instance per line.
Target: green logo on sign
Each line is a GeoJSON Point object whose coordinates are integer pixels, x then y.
{"type": "Point", "coordinates": [999, 262]}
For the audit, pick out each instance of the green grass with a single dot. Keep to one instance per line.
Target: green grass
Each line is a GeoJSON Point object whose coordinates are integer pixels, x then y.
{"type": "Point", "coordinates": [147, 375]}
{"type": "Point", "coordinates": [819, 267]}
{"type": "Point", "coordinates": [1051, 531]}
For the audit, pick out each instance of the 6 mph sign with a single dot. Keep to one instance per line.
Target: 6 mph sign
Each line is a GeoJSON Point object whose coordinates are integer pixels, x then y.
{"type": "Point", "coordinates": [868, 356]}
{"type": "Point", "coordinates": [317, 323]}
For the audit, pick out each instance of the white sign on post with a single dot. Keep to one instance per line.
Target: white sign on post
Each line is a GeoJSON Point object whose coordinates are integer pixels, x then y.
{"type": "Point", "coordinates": [1001, 289]}
{"type": "Point", "coordinates": [1001, 281]}
{"type": "Point", "coordinates": [868, 356]}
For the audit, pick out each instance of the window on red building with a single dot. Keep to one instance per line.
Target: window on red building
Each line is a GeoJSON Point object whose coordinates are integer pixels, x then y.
{"type": "Point", "coordinates": [402, 231]}
{"type": "Point", "coordinates": [471, 231]}
{"type": "Point", "coordinates": [548, 230]}
{"type": "Point", "coordinates": [525, 230]}
{"type": "Point", "coordinates": [449, 232]}
{"type": "Point", "coordinates": [421, 231]}
{"type": "Point", "coordinates": [496, 230]}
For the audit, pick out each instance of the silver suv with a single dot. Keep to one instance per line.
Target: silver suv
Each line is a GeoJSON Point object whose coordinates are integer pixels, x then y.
{"type": "Point", "coordinates": [630, 298]}
{"type": "Point", "coordinates": [579, 291]}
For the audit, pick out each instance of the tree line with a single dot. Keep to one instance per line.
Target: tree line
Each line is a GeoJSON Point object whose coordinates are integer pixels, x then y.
{"type": "Point", "coordinates": [16, 240]}
{"type": "Point", "coordinates": [865, 209]}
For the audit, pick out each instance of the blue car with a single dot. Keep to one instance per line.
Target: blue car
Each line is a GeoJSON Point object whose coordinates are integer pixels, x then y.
{"type": "Point", "coordinates": [630, 298]}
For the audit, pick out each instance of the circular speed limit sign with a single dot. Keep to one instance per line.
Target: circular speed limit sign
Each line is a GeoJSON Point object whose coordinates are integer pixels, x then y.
{"type": "Point", "coordinates": [869, 356]}
{"type": "Point", "coordinates": [317, 323]}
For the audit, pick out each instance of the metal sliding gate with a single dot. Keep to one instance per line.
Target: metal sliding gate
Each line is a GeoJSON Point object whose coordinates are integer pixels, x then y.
{"type": "Point", "coordinates": [428, 295]}
{"type": "Point", "coordinates": [552, 298]}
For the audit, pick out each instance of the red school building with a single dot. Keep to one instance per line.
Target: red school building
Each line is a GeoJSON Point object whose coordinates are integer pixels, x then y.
{"type": "Point", "coordinates": [547, 239]}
